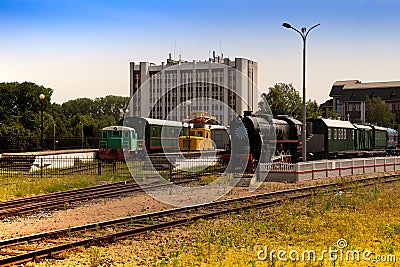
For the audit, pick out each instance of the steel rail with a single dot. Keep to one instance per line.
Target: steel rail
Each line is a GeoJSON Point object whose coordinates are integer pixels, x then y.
{"type": "Point", "coordinates": [61, 199]}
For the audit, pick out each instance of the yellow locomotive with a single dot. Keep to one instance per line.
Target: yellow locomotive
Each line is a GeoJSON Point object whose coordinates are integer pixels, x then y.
{"type": "Point", "coordinates": [197, 136]}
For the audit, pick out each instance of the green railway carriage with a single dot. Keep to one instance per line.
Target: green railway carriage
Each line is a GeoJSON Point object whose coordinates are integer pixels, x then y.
{"type": "Point", "coordinates": [329, 137]}
{"type": "Point", "coordinates": [379, 137]}
{"type": "Point", "coordinates": [156, 135]}
{"type": "Point", "coordinates": [364, 137]}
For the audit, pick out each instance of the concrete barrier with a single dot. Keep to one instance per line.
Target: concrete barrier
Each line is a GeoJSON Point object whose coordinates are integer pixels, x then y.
{"type": "Point", "coordinates": [389, 164]}
{"type": "Point", "coordinates": [379, 164]}
{"type": "Point", "coordinates": [345, 167]}
{"type": "Point", "coordinates": [369, 165]}
{"type": "Point", "coordinates": [310, 170]}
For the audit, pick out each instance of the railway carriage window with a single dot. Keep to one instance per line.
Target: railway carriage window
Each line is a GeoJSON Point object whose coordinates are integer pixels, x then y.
{"type": "Point", "coordinates": [345, 135]}
{"type": "Point", "coordinates": [126, 134]}
{"type": "Point", "coordinates": [199, 134]}
{"type": "Point", "coordinates": [329, 134]}
{"type": "Point", "coordinates": [207, 135]}
{"type": "Point", "coordinates": [104, 134]}
{"type": "Point", "coordinates": [335, 134]}
{"type": "Point", "coordinates": [183, 132]}
{"type": "Point", "coordinates": [155, 132]}
{"type": "Point", "coordinates": [191, 133]}
{"type": "Point", "coordinates": [352, 134]}
{"type": "Point", "coordinates": [115, 133]}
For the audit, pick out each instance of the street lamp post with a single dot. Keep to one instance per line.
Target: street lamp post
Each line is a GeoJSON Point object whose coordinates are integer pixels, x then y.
{"type": "Point", "coordinates": [41, 97]}
{"type": "Point", "coordinates": [303, 33]}
{"type": "Point", "coordinates": [54, 136]}
{"type": "Point", "coordinates": [82, 134]}
{"type": "Point", "coordinates": [188, 103]}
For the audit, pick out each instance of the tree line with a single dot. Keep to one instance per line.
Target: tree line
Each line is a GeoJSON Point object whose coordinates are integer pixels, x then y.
{"type": "Point", "coordinates": [284, 99]}
{"type": "Point", "coordinates": [21, 109]}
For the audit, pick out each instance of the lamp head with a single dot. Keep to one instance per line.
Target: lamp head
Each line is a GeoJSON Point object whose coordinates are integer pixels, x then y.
{"type": "Point", "coordinates": [286, 25]}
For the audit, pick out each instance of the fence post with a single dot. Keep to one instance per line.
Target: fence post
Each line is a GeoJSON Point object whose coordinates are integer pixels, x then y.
{"type": "Point", "coordinates": [41, 167]}
{"type": "Point", "coordinates": [297, 171]}
{"type": "Point", "coordinates": [326, 169]}
{"type": "Point", "coordinates": [114, 167]}
{"type": "Point", "coordinates": [258, 174]}
{"type": "Point", "coordinates": [170, 171]}
{"type": "Point", "coordinates": [99, 167]}
{"type": "Point", "coordinates": [352, 166]}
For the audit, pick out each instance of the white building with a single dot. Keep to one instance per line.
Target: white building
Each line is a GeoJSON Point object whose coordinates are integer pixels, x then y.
{"type": "Point", "coordinates": [219, 86]}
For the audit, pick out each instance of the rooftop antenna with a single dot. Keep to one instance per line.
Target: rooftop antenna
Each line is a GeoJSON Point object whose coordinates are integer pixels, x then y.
{"type": "Point", "coordinates": [220, 47]}
{"type": "Point", "coordinates": [174, 50]}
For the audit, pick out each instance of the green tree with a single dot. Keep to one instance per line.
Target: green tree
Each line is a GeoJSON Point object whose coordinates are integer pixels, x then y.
{"type": "Point", "coordinates": [282, 99]}
{"type": "Point", "coordinates": [79, 106]}
{"type": "Point", "coordinates": [110, 106]}
{"type": "Point", "coordinates": [332, 115]}
{"type": "Point", "coordinates": [378, 113]}
{"type": "Point", "coordinates": [20, 104]}
{"type": "Point", "coordinates": [94, 114]}
{"type": "Point", "coordinates": [58, 118]}
{"type": "Point", "coordinates": [313, 110]}
{"type": "Point", "coordinates": [21, 107]}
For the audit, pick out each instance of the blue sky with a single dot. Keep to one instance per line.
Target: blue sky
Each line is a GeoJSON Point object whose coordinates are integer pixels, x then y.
{"type": "Point", "coordinates": [83, 48]}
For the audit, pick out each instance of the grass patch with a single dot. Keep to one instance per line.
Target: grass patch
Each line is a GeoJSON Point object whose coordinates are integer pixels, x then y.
{"type": "Point", "coordinates": [27, 186]}
{"type": "Point", "coordinates": [367, 218]}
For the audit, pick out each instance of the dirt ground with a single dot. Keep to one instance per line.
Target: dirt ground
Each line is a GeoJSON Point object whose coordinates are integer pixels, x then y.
{"type": "Point", "coordinates": [107, 209]}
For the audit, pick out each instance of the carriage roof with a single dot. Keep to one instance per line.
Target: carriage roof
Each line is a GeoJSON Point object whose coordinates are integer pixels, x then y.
{"type": "Point", "coordinates": [151, 121]}
{"type": "Point", "coordinates": [117, 128]}
{"type": "Point", "coordinates": [365, 127]}
{"type": "Point", "coordinates": [336, 123]}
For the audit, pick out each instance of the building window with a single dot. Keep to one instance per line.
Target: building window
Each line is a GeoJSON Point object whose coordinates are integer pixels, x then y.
{"type": "Point", "coordinates": [349, 107]}
{"type": "Point", "coordinates": [335, 134]}
{"type": "Point", "coordinates": [339, 108]}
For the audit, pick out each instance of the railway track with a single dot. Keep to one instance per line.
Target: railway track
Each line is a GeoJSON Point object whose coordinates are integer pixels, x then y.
{"type": "Point", "coordinates": [27, 248]}
{"type": "Point", "coordinates": [67, 199]}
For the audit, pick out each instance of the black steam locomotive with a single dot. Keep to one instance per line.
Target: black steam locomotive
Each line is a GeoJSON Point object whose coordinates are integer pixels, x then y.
{"type": "Point", "coordinates": [261, 138]}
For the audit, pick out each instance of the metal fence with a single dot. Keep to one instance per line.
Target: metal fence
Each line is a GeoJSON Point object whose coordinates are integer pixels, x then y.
{"type": "Point", "coordinates": [45, 166]}
{"type": "Point", "coordinates": [32, 143]}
